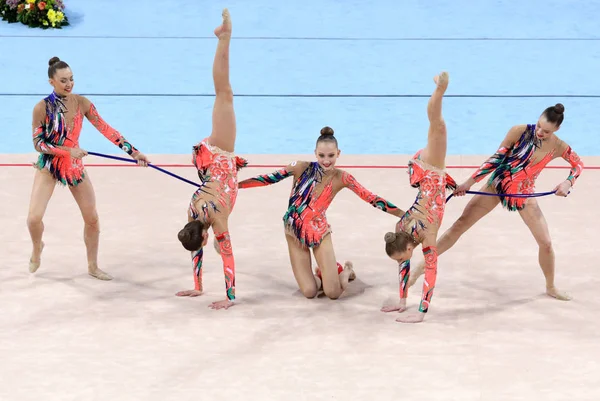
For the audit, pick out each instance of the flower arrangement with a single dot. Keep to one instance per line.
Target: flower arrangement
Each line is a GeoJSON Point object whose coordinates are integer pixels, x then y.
{"type": "Point", "coordinates": [34, 13]}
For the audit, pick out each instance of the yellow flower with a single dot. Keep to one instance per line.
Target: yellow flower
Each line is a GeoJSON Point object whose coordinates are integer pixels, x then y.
{"type": "Point", "coordinates": [45, 23]}
{"type": "Point", "coordinates": [60, 16]}
{"type": "Point", "coordinates": [30, 1]}
{"type": "Point", "coordinates": [51, 15]}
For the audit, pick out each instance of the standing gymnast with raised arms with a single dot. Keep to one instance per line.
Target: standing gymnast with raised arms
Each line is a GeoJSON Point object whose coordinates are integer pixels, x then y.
{"type": "Point", "coordinates": [217, 167]}
{"type": "Point", "coordinates": [314, 188]}
{"type": "Point", "coordinates": [422, 221]}
{"type": "Point", "coordinates": [513, 169]}
{"type": "Point", "coordinates": [57, 123]}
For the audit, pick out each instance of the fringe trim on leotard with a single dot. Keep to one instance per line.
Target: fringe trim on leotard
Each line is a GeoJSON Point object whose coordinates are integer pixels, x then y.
{"type": "Point", "coordinates": [300, 198]}
{"type": "Point", "coordinates": [54, 131]}
{"type": "Point", "coordinates": [501, 179]}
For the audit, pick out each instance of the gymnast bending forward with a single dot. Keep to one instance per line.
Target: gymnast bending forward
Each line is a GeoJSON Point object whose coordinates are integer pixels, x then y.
{"type": "Point", "coordinates": [420, 224]}
{"type": "Point", "coordinates": [513, 169]}
{"type": "Point", "coordinates": [57, 123]}
{"type": "Point", "coordinates": [305, 224]}
{"type": "Point", "coordinates": [217, 167]}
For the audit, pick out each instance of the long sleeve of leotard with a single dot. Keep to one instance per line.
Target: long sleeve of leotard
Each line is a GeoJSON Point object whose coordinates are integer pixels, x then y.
{"type": "Point", "coordinates": [105, 129]}
{"type": "Point", "coordinates": [576, 164]}
{"type": "Point", "coordinates": [40, 138]}
{"type": "Point", "coordinates": [376, 201]}
{"type": "Point", "coordinates": [197, 258]}
{"type": "Point", "coordinates": [431, 261]}
{"type": "Point", "coordinates": [403, 276]}
{"type": "Point", "coordinates": [226, 252]}
{"type": "Point", "coordinates": [490, 164]}
{"type": "Point", "coordinates": [266, 179]}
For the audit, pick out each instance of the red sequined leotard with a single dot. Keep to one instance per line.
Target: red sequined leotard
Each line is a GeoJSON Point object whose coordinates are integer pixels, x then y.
{"type": "Point", "coordinates": [514, 169]}
{"type": "Point", "coordinates": [51, 133]}
{"type": "Point", "coordinates": [312, 193]}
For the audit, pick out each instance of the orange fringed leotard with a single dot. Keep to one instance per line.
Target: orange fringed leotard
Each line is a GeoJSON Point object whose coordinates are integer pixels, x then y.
{"type": "Point", "coordinates": [54, 134]}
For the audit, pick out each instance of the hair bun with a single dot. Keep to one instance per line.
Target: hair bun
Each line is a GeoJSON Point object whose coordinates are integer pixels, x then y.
{"type": "Point", "coordinates": [184, 235]}
{"type": "Point", "coordinates": [53, 60]}
{"type": "Point", "coordinates": [559, 108]}
{"type": "Point", "coordinates": [389, 237]}
{"type": "Point", "coordinates": [326, 131]}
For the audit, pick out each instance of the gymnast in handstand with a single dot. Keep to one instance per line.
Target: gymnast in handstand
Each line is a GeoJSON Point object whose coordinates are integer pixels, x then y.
{"type": "Point", "coordinates": [420, 224]}
{"type": "Point", "coordinates": [314, 188]}
{"type": "Point", "coordinates": [217, 167]}
{"type": "Point", "coordinates": [57, 123]}
{"type": "Point", "coordinates": [513, 169]}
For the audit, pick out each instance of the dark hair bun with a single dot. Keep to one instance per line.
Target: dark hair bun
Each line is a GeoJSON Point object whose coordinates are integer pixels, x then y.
{"type": "Point", "coordinates": [326, 131]}
{"type": "Point", "coordinates": [184, 235]}
{"type": "Point", "coordinates": [53, 60]}
{"type": "Point", "coordinates": [559, 108]}
{"type": "Point", "coordinates": [389, 237]}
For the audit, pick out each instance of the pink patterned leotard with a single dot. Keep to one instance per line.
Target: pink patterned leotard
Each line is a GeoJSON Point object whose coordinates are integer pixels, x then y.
{"type": "Point", "coordinates": [423, 220]}
{"type": "Point", "coordinates": [215, 199]}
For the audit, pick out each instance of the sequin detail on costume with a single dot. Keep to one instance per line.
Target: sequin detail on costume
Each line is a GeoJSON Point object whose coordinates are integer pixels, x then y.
{"type": "Point", "coordinates": [305, 216]}
{"type": "Point", "coordinates": [54, 132]}
{"type": "Point", "coordinates": [217, 171]}
{"type": "Point", "coordinates": [576, 164]}
{"type": "Point", "coordinates": [266, 179]}
{"type": "Point", "coordinates": [429, 205]}
{"type": "Point", "coordinates": [374, 200]}
{"type": "Point", "coordinates": [197, 258]}
{"type": "Point", "coordinates": [109, 132]}
{"type": "Point", "coordinates": [403, 276]}
{"type": "Point", "coordinates": [431, 258]}
{"type": "Point", "coordinates": [226, 253]}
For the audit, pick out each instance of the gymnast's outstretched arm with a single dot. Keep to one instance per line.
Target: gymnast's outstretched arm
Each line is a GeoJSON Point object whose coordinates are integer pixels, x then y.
{"type": "Point", "coordinates": [91, 113]}
{"type": "Point", "coordinates": [376, 201]}
{"type": "Point", "coordinates": [269, 179]}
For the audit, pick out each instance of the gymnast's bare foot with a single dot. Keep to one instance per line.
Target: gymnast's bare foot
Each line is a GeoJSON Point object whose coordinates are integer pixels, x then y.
{"type": "Point", "coordinates": [350, 267]}
{"type": "Point", "coordinates": [411, 317]}
{"type": "Point", "coordinates": [224, 304]}
{"type": "Point", "coordinates": [399, 306]}
{"type": "Point", "coordinates": [189, 293]}
{"type": "Point", "coordinates": [36, 258]}
{"type": "Point", "coordinates": [554, 293]}
{"type": "Point", "coordinates": [224, 30]}
{"type": "Point", "coordinates": [442, 81]}
{"type": "Point", "coordinates": [94, 271]}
